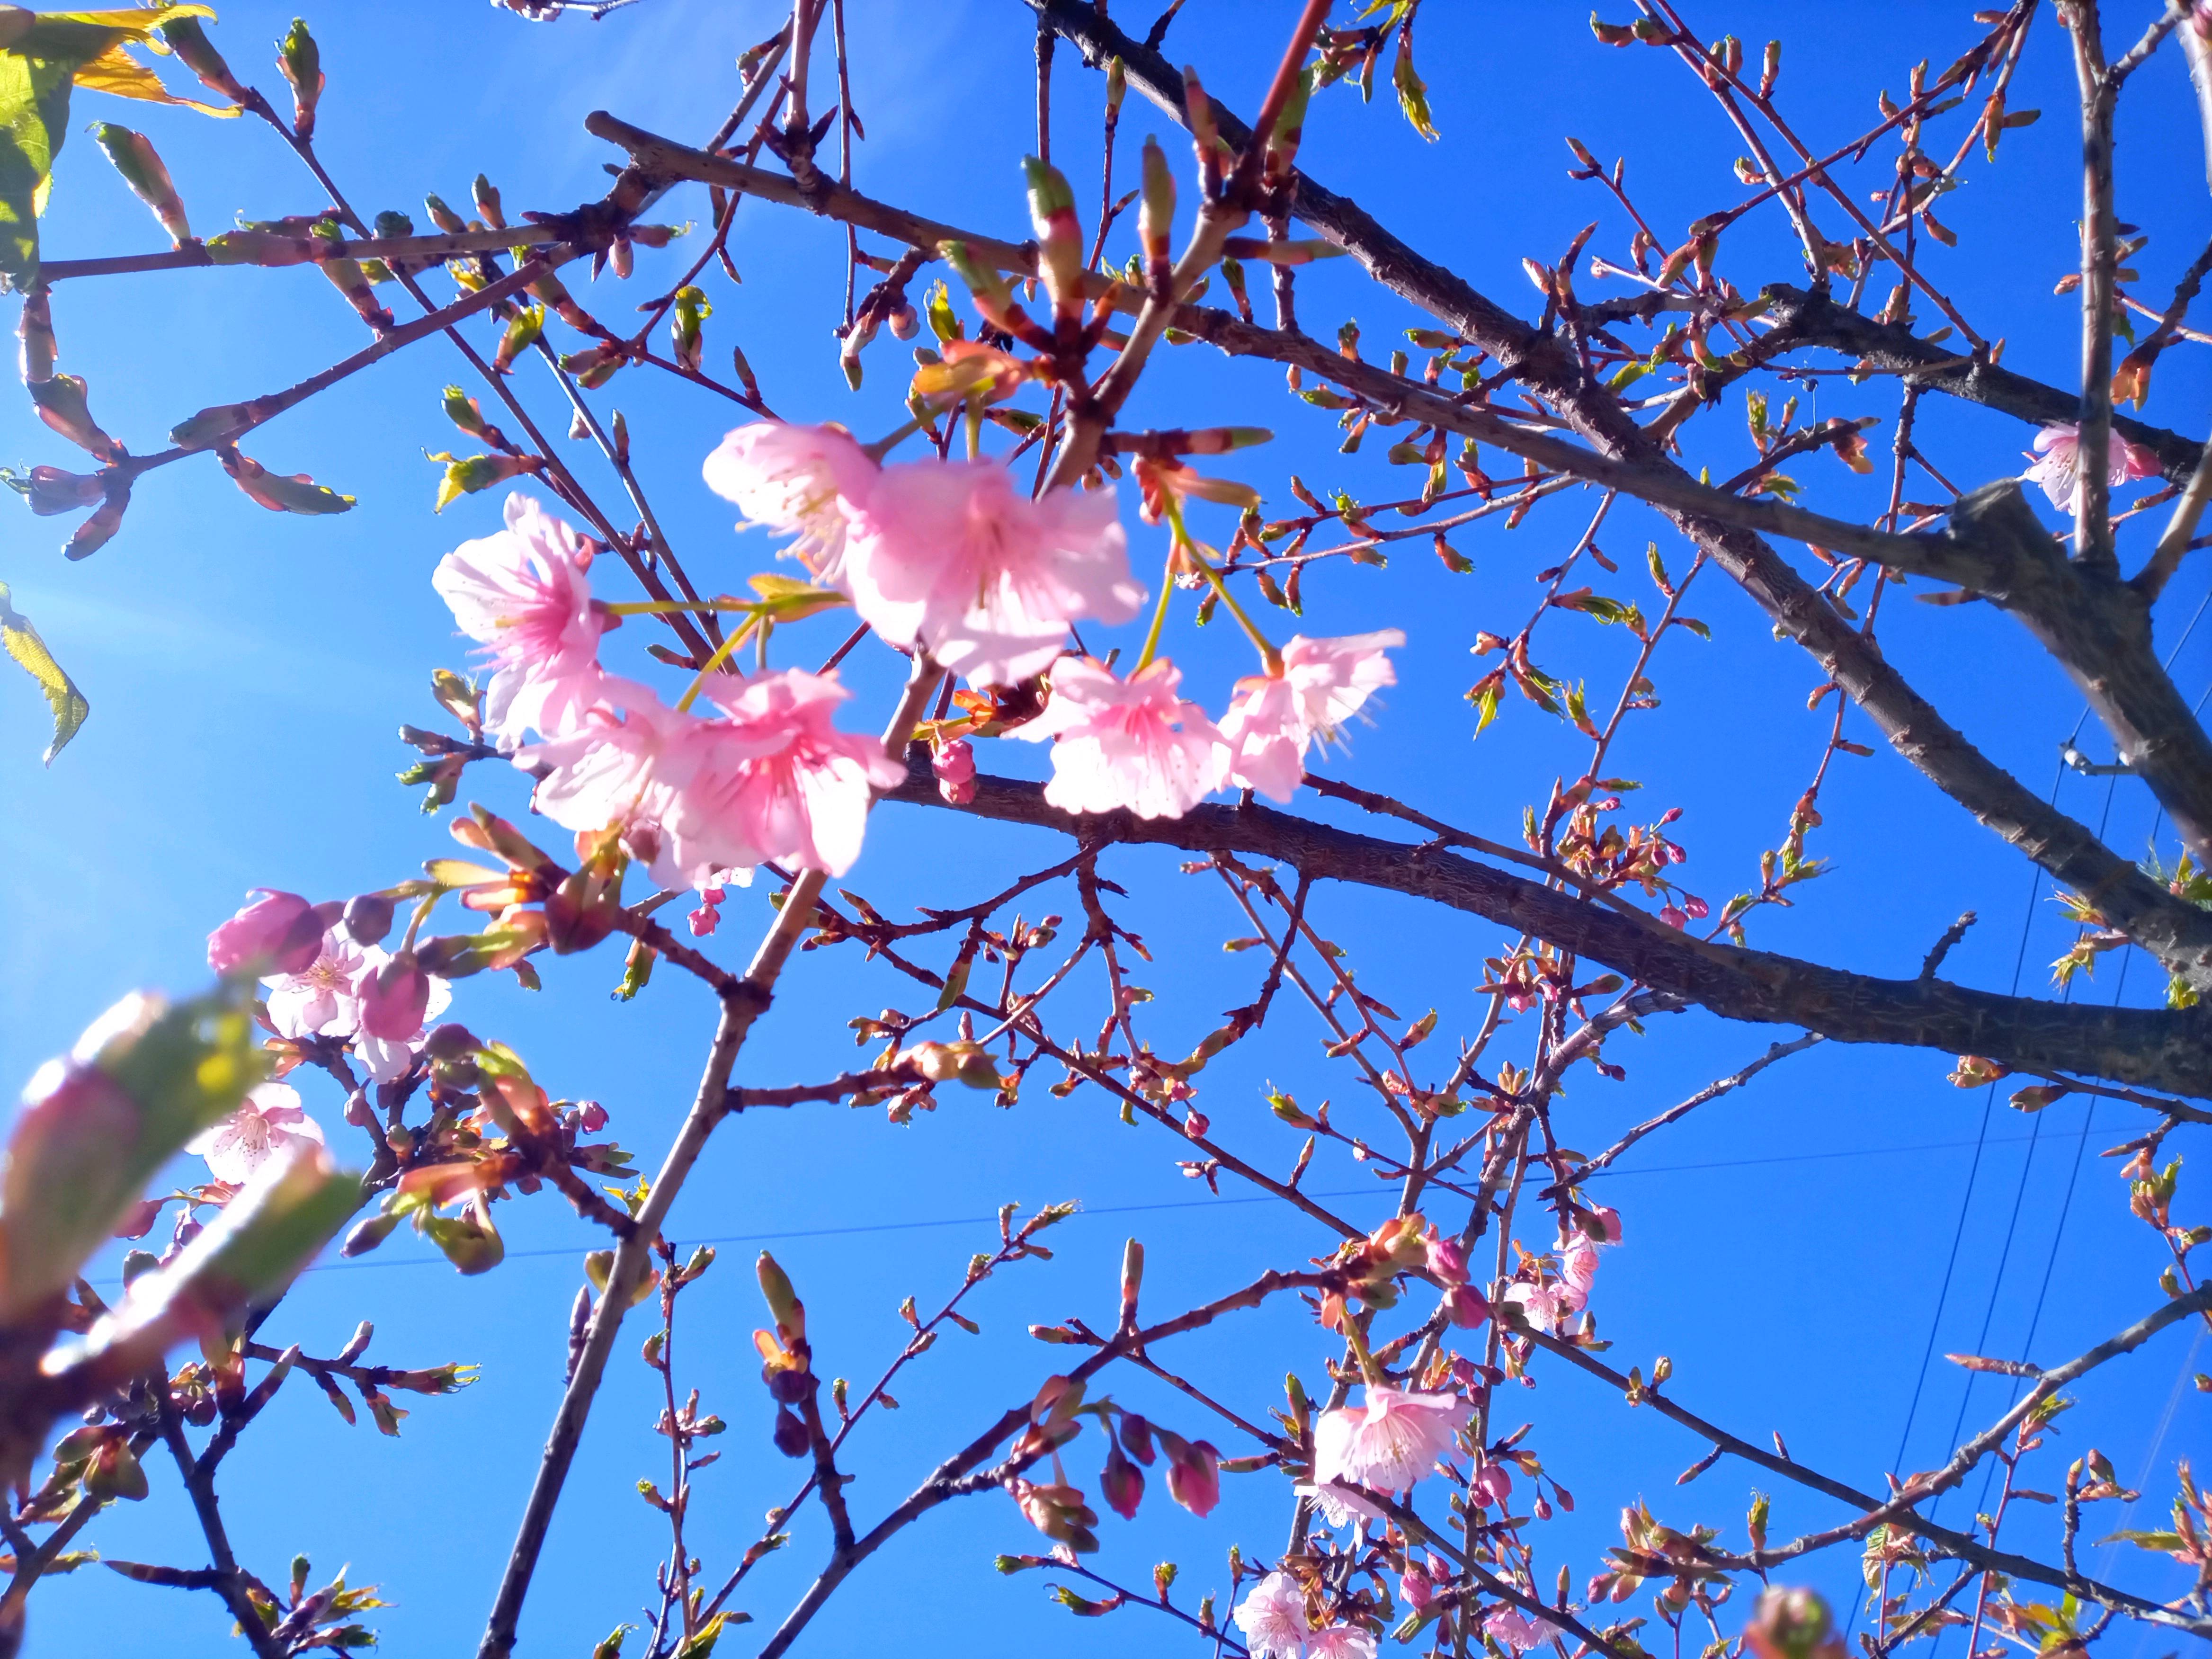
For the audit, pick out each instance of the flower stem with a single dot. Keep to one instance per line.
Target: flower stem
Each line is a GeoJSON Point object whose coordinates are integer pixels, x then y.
{"type": "Point", "coordinates": [1159, 616]}
{"type": "Point", "coordinates": [721, 655]}
{"type": "Point", "coordinates": [662, 607]}
{"type": "Point", "coordinates": [1270, 658]}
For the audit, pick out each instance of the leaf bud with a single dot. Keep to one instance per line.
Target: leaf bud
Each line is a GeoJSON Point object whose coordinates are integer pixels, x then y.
{"type": "Point", "coordinates": [301, 62]}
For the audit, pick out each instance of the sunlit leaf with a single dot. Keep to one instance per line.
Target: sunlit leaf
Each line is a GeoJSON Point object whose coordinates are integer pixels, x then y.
{"type": "Point", "coordinates": [23, 644]}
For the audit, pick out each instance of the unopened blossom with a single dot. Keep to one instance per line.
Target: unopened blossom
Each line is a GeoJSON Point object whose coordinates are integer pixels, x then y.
{"type": "Point", "coordinates": [1131, 743]}
{"type": "Point", "coordinates": [1417, 1587]}
{"type": "Point", "coordinates": [269, 1121]}
{"type": "Point", "coordinates": [1514, 1629]}
{"type": "Point", "coordinates": [1273, 1616]}
{"type": "Point", "coordinates": [275, 933]}
{"type": "Point", "coordinates": [1340, 1642]}
{"type": "Point", "coordinates": [954, 763]}
{"type": "Point", "coordinates": [524, 593]}
{"type": "Point", "coordinates": [778, 779]}
{"type": "Point", "coordinates": [1391, 1442]}
{"type": "Point", "coordinates": [1491, 1483]}
{"type": "Point", "coordinates": [1274, 719]}
{"type": "Point", "coordinates": [2057, 466]}
{"type": "Point", "coordinates": [956, 557]}
{"type": "Point", "coordinates": [1194, 1478]}
{"type": "Point", "coordinates": [802, 481]}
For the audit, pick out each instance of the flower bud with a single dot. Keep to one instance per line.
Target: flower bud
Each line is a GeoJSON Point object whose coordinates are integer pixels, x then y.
{"type": "Point", "coordinates": [790, 1436]}
{"type": "Point", "coordinates": [301, 61]}
{"type": "Point", "coordinates": [49, 490]}
{"type": "Point", "coordinates": [135, 158]}
{"type": "Point", "coordinates": [36, 329]}
{"type": "Point", "coordinates": [368, 917]}
{"type": "Point", "coordinates": [63, 405]}
{"type": "Point", "coordinates": [1447, 1260]}
{"type": "Point", "coordinates": [486, 197]}
{"type": "Point", "coordinates": [954, 763]}
{"type": "Point", "coordinates": [394, 998]}
{"type": "Point", "coordinates": [1194, 1478]}
{"type": "Point", "coordinates": [1123, 1483]}
{"type": "Point", "coordinates": [1466, 1306]}
{"type": "Point", "coordinates": [184, 37]}
{"type": "Point", "coordinates": [783, 1303]}
{"type": "Point", "coordinates": [275, 934]}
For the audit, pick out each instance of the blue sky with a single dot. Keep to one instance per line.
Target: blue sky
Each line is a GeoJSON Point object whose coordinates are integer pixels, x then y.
{"type": "Point", "coordinates": [1785, 1246]}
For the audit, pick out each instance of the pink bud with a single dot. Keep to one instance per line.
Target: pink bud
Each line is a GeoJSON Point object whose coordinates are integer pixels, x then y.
{"type": "Point", "coordinates": [595, 1117]}
{"type": "Point", "coordinates": [955, 766]}
{"type": "Point", "coordinates": [1468, 1308]}
{"type": "Point", "coordinates": [1194, 1478]}
{"type": "Point", "coordinates": [1697, 907]}
{"type": "Point", "coordinates": [1673, 916]}
{"type": "Point", "coordinates": [1417, 1587]}
{"type": "Point", "coordinates": [1447, 1260]}
{"type": "Point", "coordinates": [394, 999]}
{"type": "Point", "coordinates": [1123, 1482]}
{"type": "Point", "coordinates": [276, 933]}
{"type": "Point", "coordinates": [1491, 1485]}
{"type": "Point", "coordinates": [704, 919]}
{"type": "Point", "coordinates": [1608, 1222]}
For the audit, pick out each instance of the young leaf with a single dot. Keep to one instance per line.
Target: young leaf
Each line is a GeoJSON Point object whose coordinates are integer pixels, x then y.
{"type": "Point", "coordinates": [24, 645]}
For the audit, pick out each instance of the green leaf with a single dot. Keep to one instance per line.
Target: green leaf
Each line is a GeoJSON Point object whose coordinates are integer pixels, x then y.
{"type": "Point", "coordinates": [24, 645]}
{"type": "Point", "coordinates": [35, 96]}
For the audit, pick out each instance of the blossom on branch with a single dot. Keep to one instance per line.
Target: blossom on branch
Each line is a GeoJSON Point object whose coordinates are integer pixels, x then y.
{"type": "Point", "coordinates": [523, 592]}
{"type": "Point", "coordinates": [1515, 1630]}
{"type": "Point", "coordinates": [954, 556]}
{"type": "Point", "coordinates": [270, 1120]}
{"type": "Point", "coordinates": [2057, 466]}
{"type": "Point", "coordinates": [1395, 1440]}
{"type": "Point", "coordinates": [1274, 719]}
{"type": "Point", "coordinates": [276, 932]}
{"type": "Point", "coordinates": [1273, 1616]}
{"type": "Point", "coordinates": [1130, 743]}
{"type": "Point", "coordinates": [797, 481]}
{"type": "Point", "coordinates": [329, 998]}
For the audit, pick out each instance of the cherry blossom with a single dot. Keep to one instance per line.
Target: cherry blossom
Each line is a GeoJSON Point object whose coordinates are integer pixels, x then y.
{"type": "Point", "coordinates": [1391, 1442]}
{"type": "Point", "coordinates": [1130, 743]}
{"type": "Point", "coordinates": [1515, 1630]}
{"type": "Point", "coordinates": [2057, 466]}
{"type": "Point", "coordinates": [1273, 1616]}
{"type": "Point", "coordinates": [1578, 1271]}
{"type": "Point", "coordinates": [1340, 1505]}
{"type": "Point", "coordinates": [1340, 1642]}
{"type": "Point", "coordinates": [621, 764]}
{"type": "Point", "coordinates": [802, 480]}
{"type": "Point", "coordinates": [1274, 719]}
{"type": "Point", "coordinates": [327, 998]}
{"type": "Point", "coordinates": [956, 558]}
{"type": "Point", "coordinates": [276, 932]}
{"type": "Point", "coordinates": [779, 781]}
{"type": "Point", "coordinates": [1544, 1305]}
{"type": "Point", "coordinates": [270, 1120]}
{"type": "Point", "coordinates": [524, 593]}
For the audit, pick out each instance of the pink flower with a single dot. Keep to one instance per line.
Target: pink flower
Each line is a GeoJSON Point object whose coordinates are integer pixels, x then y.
{"type": "Point", "coordinates": [1492, 1482]}
{"type": "Point", "coordinates": [621, 764]}
{"type": "Point", "coordinates": [1417, 1588]}
{"type": "Point", "coordinates": [268, 1121]}
{"type": "Point", "coordinates": [326, 999]}
{"type": "Point", "coordinates": [1273, 1616]}
{"type": "Point", "coordinates": [955, 558]}
{"type": "Point", "coordinates": [1447, 1260]}
{"type": "Point", "coordinates": [2058, 464]}
{"type": "Point", "coordinates": [1544, 1305]}
{"type": "Point", "coordinates": [277, 933]}
{"type": "Point", "coordinates": [1273, 720]}
{"type": "Point", "coordinates": [800, 481]}
{"type": "Point", "coordinates": [1392, 1442]}
{"type": "Point", "coordinates": [778, 780]}
{"type": "Point", "coordinates": [1515, 1630]}
{"type": "Point", "coordinates": [954, 763]}
{"type": "Point", "coordinates": [1608, 1221]}
{"type": "Point", "coordinates": [394, 996]}
{"type": "Point", "coordinates": [1466, 1306]}
{"type": "Point", "coordinates": [1577, 1272]}
{"type": "Point", "coordinates": [1340, 1505]}
{"type": "Point", "coordinates": [1340, 1642]}
{"type": "Point", "coordinates": [524, 593]}
{"type": "Point", "coordinates": [1130, 743]}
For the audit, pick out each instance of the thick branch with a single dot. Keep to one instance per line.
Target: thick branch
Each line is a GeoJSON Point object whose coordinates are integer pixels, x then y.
{"type": "Point", "coordinates": [2171, 1050]}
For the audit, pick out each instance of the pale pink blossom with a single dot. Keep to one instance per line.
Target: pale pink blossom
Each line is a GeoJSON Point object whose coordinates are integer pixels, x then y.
{"type": "Point", "coordinates": [1578, 1271]}
{"type": "Point", "coordinates": [1544, 1305]}
{"type": "Point", "coordinates": [326, 997]}
{"type": "Point", "coordinates": [1273, 719]}
{"type": "Point", "coordinates": [1515, 1630]}
{"type": "Point", "coordinates": [277, 933]}
{"type": "Point", "coordinates": [1393, 1441]}
{"type": "Point", "coordinates": [1340, 1642]}
{"type": "Point", "coordinates": [1340, 1505]}
{"type": "Point", "coordinates": [955, 556]}
{"type": "Point", "coordinates": [269, 1121]}
{"type": "Point", "coordinates": [524, 593]}
{"type": "Point", "coordinates": [2057, 466]}
{"type": "Point", "coordinates": [1130, 743]}
{"type": "Point", "coordinates": [619, 764]}
{"type": "Point", "coordinates": [1273, 1616]}
{"type": "Point", "coordinates": [802, 480]}
{"type": "Point", "coordinates": [778, 780]}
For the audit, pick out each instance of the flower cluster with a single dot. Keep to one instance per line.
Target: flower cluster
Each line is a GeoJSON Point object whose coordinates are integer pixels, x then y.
{"type": "Point", "coordinates": [701, 798]}
{"type": "Point", "coordinates": [1273, 1618]}
{"type": "Point", "coordinates": [955, 559]}
{"type": "Point", "coordinates": [1564, 1288]}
